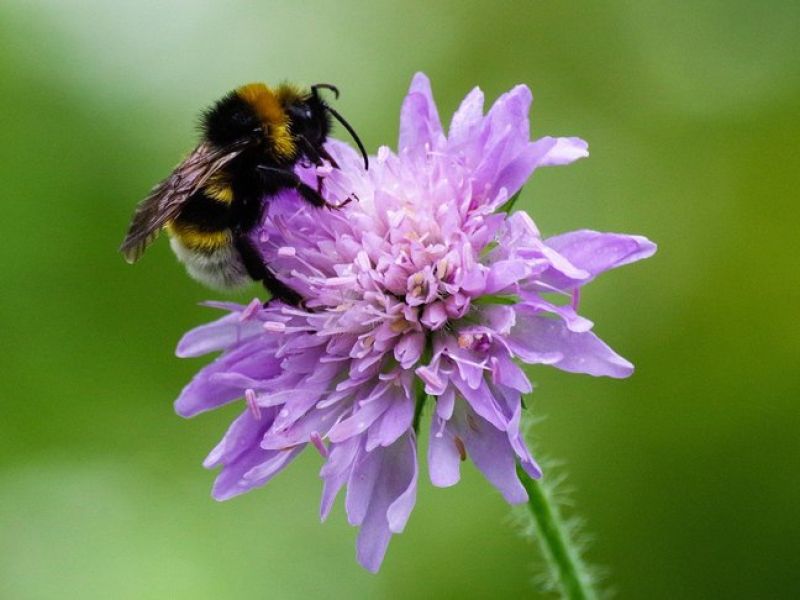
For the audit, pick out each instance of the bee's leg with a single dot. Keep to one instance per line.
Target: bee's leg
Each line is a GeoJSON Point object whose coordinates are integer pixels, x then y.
{"type": "Point", "coordinates": [290, 179]}
{"type": "Point", "coordinates": [324, 154]}
{"type": "Point", "coordinates": [313, 196]}
{"type": "Point", "coordinates": [254, 263]}
{"type": "Point", "coordinates": [316, 154]}
{"type": "Point", "coordinates": [315, 157]}
{"type": "Point", "coordinates": [348, 200]}
{"type": "Point", "coordinates": [280, 290]}
{"type": "Point", "coordinates": [312, 153]}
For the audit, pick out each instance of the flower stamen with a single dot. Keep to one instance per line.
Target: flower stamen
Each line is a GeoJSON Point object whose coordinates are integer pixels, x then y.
{"type": "Point", "coordinates": [252, 403]}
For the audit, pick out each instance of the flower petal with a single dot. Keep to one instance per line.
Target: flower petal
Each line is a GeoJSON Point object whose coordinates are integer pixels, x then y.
{"type": "Point", "coordinates": [336, 472]}
{"type": "Point", "coordinates": [409, 348]}
{"type": "Point", "coordinates": [363, 476]}
{"type": "Point", "coordinates": [467, 119]}
{"type": "Point", "coordinates": [444, 460]}
{"type": "Point", "coordinates": [596, 252]}
{"type": "Point", "coordinates": [505, 273]}
{"type": "Point", "coordinates": [394, 422]}
{"type": "Point", "coordinates": [390, 501]}
{"type": "Point", "coordinates": [515, 173]}
{"type": "Point", "coordinates": [517, 441]}
{"type": "Point", "coordinates": [553, 151]}
{"type": "Point", "coordinates": [506, 372]}
{"type": "Point", "coordinates": [221, 334]}
{"type": "Point", "coordinates": [577, 352]}
{"type": "Point", "coordinates": [244, 464]}
{"type": "Point", "coordinates": [419, 118]}
{"type": "Point", "coordinates": [359, 421]}
{"type": "Point", "coordinates": [207, 391]}
{"type": "Point", "coordinates": [491, 452]}
{"type": "Point", "coordinates": [482, 402]}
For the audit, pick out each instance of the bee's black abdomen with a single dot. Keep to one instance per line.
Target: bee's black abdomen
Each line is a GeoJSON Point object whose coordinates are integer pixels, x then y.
{"type": "Point", "coordinates": [229, 121]}
{"type": "Point", "coordinates": [205, 213]}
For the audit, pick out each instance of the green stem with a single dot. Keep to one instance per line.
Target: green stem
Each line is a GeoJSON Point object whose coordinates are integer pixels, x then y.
{"type": "Point", "coordinates": [555, 542]}
{"type": "Point", "coordinates": [419, 386]}
{"type": "Point", "coordinates": [421, 396]}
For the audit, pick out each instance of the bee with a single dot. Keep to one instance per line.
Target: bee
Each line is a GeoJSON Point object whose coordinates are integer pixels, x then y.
{"type": "Point", "coordinates": [212, 201]}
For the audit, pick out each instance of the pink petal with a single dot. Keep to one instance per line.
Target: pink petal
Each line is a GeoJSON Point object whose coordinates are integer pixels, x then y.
{"type": "Point", "coordinates": [206, 391]}
{"type": "Point", "coordinates": [559, 151]}
{"type": "Point", "coordinates": [596, 252]}
{"type": "Point", "coordinates": [244, 464]}
{"type": "Point", "coordinates": [419, 118]}
{"type": "Point", "coordinates": [467, 119]}
{"type": "Point", "coordinates": [444, 460]}
{"type": "Point", "coordinates": [217, 335]}
{"type": "Point", "coordinates": [394, 422]}
{"type": "Point", "coordinates": [336, 472]}
{"type": "Point", "coordinates": [505, 273]}
{"type": "Point", "coordinates": [389, 501]}
{"type": "Point", "coordinates": [576, 352]}
{"type": "Point", "coordinates": [359, 421]}
{"type": "Point", "coordinates": [491, 452]}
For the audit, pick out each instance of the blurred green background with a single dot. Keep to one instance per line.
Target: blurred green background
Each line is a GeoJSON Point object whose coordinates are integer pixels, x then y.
{"type": "Point", "coordinates": [686, 473]}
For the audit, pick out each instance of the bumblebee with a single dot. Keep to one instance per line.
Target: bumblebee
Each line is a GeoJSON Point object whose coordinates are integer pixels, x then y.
{"type": "Point", "coordinates": [212, 201]}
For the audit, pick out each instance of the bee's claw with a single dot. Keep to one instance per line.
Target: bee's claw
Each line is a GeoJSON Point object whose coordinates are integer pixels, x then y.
{"type": "Point", "coordinates": [344, 203]}
{"type": "Point", "coordinates": [349, 199]}
{"type": "Point", "coordinates": [339, 206]}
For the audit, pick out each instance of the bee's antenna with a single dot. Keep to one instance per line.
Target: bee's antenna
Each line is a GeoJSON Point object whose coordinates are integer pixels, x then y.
{"type": "Point", "coordinates": [352, 132]}
{"type": "Point", "coordinates": [325, 86]}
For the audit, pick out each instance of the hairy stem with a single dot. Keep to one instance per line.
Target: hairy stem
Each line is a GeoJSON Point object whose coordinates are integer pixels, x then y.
{"type": "Point", "coordinates": [563, 558]}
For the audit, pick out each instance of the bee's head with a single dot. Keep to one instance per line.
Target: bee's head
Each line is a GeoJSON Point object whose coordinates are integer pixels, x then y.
{"type": "Point", "coordinates": [311, 119]}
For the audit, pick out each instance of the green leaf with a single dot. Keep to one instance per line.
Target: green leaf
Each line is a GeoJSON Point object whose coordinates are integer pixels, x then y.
{"type": "Point", "coordinates": [490, 299]}
{"type": "Point", "coordinates": [508, 206]}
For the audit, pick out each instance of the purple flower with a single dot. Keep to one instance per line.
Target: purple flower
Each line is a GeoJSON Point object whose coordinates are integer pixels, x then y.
{"type": "Point", "coordinates": [422, 283]}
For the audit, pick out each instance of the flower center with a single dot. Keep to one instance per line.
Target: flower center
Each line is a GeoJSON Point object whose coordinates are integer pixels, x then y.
{"type": "Point", "coordinates": [420, 290]}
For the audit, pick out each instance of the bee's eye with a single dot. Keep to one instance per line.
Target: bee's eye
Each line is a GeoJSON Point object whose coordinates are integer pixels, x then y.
{"type": "Point", "coordinates": [301, 112]}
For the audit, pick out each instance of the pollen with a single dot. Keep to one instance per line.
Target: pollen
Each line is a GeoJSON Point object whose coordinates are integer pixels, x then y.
{"type": "Point", "coordinates": [399, 326]}
{"type": "Point", "coordinates": [465, 340]}
{"type": "Point", "coordinates": [441, 268]}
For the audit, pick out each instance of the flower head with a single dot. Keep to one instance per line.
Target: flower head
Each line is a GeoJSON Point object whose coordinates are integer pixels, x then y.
{"type": "Point", "coordinates": [420, 288]}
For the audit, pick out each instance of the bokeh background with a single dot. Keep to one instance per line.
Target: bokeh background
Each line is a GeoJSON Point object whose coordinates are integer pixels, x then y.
{"type": "Point", "coordinates": [687, 473]}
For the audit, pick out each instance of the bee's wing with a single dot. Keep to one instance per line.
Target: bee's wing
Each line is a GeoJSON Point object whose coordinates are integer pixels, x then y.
{"type": "Point", "coordinates": [166, 199]}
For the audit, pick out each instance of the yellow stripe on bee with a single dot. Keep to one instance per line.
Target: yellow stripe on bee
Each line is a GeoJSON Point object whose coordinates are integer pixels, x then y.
{"type": "Point", "coordinates": [282, 142]}
{"type": "Point", "coordinates": [223, 193]}
{"type": "Point", "coordinates": [218, 188]}
{"type": "Point", "coordinates": [269, 107]}
{"type": "Point", "coordinates": [194, 239]}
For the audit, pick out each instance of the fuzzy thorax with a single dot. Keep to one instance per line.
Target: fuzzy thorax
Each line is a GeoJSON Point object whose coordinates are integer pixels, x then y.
{"type": "Point", "coordinates": [270, 107]}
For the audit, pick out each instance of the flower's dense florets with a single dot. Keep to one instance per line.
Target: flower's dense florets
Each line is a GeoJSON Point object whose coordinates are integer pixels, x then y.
{"type": "Point", "coordinates": [420, 287]}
